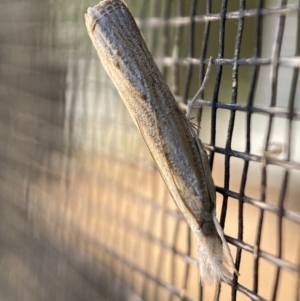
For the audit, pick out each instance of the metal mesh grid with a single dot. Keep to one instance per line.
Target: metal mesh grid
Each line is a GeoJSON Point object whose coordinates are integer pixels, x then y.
{"type": "Point", "coordinates": [84, 213]}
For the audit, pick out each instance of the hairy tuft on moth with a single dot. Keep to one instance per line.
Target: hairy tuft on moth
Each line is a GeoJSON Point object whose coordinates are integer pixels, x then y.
{"type": "Point", "coordinates": [169, 135]}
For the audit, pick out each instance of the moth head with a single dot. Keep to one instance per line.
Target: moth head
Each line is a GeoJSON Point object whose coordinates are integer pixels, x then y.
{"type": "Point", "coordinates": [208, 228]}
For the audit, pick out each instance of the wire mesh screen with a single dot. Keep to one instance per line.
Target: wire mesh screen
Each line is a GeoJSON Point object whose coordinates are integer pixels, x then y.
{"type": "Point", "coordinates": [84, 213]}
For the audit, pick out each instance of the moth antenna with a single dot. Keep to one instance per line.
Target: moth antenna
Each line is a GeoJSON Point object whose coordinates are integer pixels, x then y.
{"type": "Point", "coordinates": [225, 244]}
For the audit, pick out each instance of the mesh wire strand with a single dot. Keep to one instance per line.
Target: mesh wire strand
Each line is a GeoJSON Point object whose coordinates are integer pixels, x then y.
{"type": "Point", "coordinates": [84, 214]}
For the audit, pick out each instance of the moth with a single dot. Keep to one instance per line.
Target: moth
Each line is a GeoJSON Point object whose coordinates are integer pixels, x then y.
{"type": "Point", "coordinates": [169, 135]}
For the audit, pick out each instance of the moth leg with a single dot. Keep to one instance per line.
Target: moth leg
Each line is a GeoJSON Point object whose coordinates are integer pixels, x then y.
{"type": "Point", "coordinates": [190, 103]}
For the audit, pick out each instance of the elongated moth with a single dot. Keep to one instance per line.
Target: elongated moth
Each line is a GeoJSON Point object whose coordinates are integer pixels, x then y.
{"type": "Point", "coordinates": [169, 135]}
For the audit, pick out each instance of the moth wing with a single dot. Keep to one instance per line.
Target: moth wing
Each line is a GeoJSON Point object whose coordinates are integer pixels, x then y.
{"type": "Point", "coordinates": [172, 184]}
{"type": "Point", "coordinates": [203, 159]}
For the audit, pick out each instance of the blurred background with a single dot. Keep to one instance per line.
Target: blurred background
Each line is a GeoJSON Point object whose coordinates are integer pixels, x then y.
{"type": "Point", "coordinates": [84, 213]}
